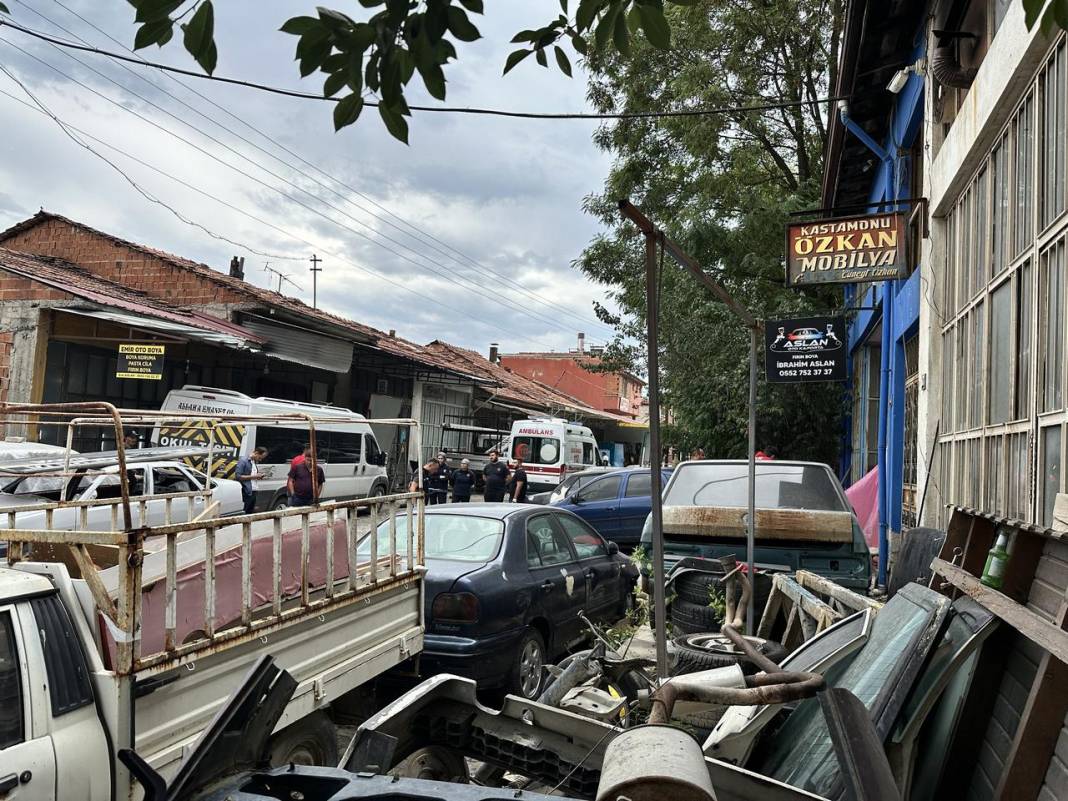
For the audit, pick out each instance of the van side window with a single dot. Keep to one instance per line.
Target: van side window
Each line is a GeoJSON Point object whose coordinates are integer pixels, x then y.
{"type": "Point", "coordinates": [371, 450]}
{"type": "Point", "coordinates": [11, 712]}
{"type": "Point", "coordinates": [282, 443]}
{"type": "Point", "coordinates": [588, 456]}
{"type": "Point", "coordinates": [342, 447]}
{"type": "Point", "coordinates": [69, 687]}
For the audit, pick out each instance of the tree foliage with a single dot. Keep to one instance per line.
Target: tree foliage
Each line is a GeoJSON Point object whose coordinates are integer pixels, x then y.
{"type": "Point", "coordinates": [722, 186]}
{"type": "Point", "coordinates": [378, 57]}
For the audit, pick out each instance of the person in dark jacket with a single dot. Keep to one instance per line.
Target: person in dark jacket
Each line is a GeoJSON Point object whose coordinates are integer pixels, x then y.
{"type": "Point", "coordinates": [437, 484]}
{"type": "Point", "coordinates": [302, 490]}
{"type": "Point", "coordinates": [496, 478]}
{"type": "Point", "coordinates": [430, 470]}
{"type": "Point", "coordinates": [463, 483]}
{"type": "Point", "coordinates": [517, 487]}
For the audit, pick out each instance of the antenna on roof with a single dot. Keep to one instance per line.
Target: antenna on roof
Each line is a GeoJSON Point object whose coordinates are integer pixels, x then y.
{"type": "Point", "coordinates": [267, 268]}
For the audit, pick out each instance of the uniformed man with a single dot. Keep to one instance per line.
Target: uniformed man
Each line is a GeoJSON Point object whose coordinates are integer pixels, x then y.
{"type": "Point", "coordinates": [430, 469]}
{"type": "Point", "coordinates": [437, 485]}
{"type": "Point", "coordinates": [463, 483]}
{"type": "Point", "coordinates": [496, 478]}
{"type": "Point", "coordinates": [518, 485]}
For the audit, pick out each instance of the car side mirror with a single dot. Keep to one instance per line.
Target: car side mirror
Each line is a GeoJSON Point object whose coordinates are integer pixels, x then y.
{"type": "Point", "coordinates": [383, 457]}
{"type": "Point", "coordinates": [576, 499]}
{"type": "Point", "coordinates": [613, 548]}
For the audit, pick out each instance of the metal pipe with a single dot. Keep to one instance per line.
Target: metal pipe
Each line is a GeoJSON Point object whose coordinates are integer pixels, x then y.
{"type": "Point", "coordinates": [652, 303]}
{"type": "Point", "coordinates": [750, 526]}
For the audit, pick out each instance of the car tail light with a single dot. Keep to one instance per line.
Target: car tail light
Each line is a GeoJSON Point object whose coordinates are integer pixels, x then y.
{"type": "Point", "coordinates": [461, 607]}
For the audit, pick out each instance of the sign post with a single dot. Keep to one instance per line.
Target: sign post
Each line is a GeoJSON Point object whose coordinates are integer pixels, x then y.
{"type": "Point", "coordinates": [846, 250]}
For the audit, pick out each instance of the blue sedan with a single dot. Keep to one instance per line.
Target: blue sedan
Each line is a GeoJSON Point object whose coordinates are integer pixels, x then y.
{"type": "Point", "coordinates": [504, 586]}
{"type": "Point", "coordinates": [616, 503]}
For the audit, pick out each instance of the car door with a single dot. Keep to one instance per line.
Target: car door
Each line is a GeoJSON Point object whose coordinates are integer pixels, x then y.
{"type": "Point", "coordinates": [27, 759]}
{"type": "Point", "coordinates": [598, 504]}
{"type": "Point", "coordinates": [602, 572]}
{"type": "Point", "coordinates": [342, 464]}
{"type": "Point", "coordinates": [108, 486]}
{"type": "Point", "coordinates": [559, 583]}
{"type": "Point", "coordinates": [171, 480]}
{"type": "Point", "coordinates": [634, 507]}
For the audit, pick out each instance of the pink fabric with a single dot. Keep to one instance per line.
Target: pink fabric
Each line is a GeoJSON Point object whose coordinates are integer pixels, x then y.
{"type": "Point", "coordinates": [864, 495]}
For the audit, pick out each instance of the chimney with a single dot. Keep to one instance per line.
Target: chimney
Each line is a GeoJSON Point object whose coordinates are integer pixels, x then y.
{"type": "Point", "coordinates": [237, 268]}
{"type": "Point", "coordinates": [392, 333]}
{"type": "Point", "coordinates": [494, 357]}
{"type": "Point", "coordinates": [581, 342]}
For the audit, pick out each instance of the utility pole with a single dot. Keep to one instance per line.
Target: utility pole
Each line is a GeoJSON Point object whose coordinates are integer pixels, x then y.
{"type": "Point", "coordinates": [315, 270]}
{"type": "Point", "coordinates": [656, 239]}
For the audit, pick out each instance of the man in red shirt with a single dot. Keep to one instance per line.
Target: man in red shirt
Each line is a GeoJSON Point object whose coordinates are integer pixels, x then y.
{"type": "Point", "coordinates": [302, 490]}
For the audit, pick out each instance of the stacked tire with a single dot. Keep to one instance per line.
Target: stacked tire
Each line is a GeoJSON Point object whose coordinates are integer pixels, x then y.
{"type": "Point", "coordinates": [694, 652]}
{"type": "Point", "coordinates": [690, 610]}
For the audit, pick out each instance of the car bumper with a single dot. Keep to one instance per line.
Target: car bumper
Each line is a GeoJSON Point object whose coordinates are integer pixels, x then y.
{"type": "Point", "coordinates": [487, 660]}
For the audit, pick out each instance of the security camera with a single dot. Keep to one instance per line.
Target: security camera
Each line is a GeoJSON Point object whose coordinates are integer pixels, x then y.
{"type": "Point", "coordinates": [897, 83]}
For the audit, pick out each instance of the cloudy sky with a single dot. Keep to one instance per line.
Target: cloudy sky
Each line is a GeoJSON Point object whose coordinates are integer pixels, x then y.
{"type": "Point", "coordinates": [484, 214]}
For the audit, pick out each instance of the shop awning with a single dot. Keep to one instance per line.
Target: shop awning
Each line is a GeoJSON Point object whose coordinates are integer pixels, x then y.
{"type": "Point", "coordinates": [199, 327]}
{"type": "Point", "coordinates": [299, 345]}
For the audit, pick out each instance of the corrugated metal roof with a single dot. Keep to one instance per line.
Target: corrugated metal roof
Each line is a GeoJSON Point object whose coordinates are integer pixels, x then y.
{"type": "Point", "coordinates": [301, 346]}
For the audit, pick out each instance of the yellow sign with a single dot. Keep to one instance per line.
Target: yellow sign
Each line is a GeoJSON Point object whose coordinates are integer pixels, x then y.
{"type": "Point", "coordinates": [197, 433]}
{"type": "Point", "coordinates": [140, 361]}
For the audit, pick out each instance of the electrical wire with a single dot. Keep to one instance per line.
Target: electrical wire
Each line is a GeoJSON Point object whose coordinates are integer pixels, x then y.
{"type": "Point", "coordinates": [526, 115]}
{"type": "Point", "coordinates": [141, 190]}
{"type": "Point", "coordinates": [334, 255]}
{"type": "Point", "coordinates": [442, 272]}
{"type": "Point", "coordinates": [554, 307]}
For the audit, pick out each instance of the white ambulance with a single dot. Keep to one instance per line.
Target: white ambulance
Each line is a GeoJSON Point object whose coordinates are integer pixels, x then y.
{"type": "Point", "coordinates": [550, 447]}
{"type": "Point", "coordinates": [347, 450]}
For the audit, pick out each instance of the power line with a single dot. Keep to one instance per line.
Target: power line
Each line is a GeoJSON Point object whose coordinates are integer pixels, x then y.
{"type": "Point", "coordinates": [141, 190]}
{"type": "Point", "coordinates": [526, 115]}
{"type": "Point", "coordinates": [261, 221]}
{"type": "Point", "coordinates": [420, 236]}
{"type": "Point", "coordinates": [504, 301]}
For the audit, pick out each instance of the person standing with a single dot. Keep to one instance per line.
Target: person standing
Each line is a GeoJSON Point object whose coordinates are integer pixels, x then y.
{"type": "Point", "coordinates": [131, 440]}
{"type": "Point", "coordinates": [769, 454]}
{"type": "Point", "coordinates": [246, 473]}
{"type": "Point", "coordinates": [302, 490]}
{"type": "Point", "coordinates": [518, 486]}
{"type": "Point", "coordinates": [430, 470]}
{"type": "Point", "coordinates": [496, 478]}
{"type": "Point", "coordinates": [437, 484]}
{"type": "Point", "coordinates": [463, 483]}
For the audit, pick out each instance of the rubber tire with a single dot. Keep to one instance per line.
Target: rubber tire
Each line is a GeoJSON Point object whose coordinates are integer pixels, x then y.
{"type": "Point", "coordinates": [690, 659]}
{"type": "Point", "coordinates": [280, 503]}
{"type": "Point", "coordinates": [514, 684]}
{"type": "Point", "coordinates": [693, 587]}
{"type": "Point", "coordinates": [315, 735]}
{"type": "Point", "coordinates": [433, 763]}
{"type": "Point", "coordinates": [691, 618]}
{"type": "Point", "coordinates": [702, 723]}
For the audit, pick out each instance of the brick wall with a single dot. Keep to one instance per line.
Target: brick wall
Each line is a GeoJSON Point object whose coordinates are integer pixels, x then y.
{"type": "Point", "coordinates": [125, 265]}
{"type": "Point", "coordinates": [15, 287]}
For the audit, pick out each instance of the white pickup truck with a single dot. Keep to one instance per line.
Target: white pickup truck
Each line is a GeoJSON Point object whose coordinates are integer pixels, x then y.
{"type": "Point", "coordinates": [89, 666]}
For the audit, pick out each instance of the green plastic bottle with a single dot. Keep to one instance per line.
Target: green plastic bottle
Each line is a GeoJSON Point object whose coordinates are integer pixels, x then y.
{"type": "Point", "coordinates": [996, 560]}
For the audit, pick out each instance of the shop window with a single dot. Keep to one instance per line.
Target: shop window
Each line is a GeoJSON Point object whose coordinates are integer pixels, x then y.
{"type": "Point", "coordinates": [1052, 352]}
{"type": "Point", "coordinates": [1023, 142]}
{"type": "Point", "coordinates": [993, 498]}
{"type": "Point", "coordinates": [964, 260]}
{"type": "Point", "coordinates": [981, 256]}
{"type": "Point", "coordinates": [999, 385]}
{"type": "Point", "coordinates": [948, 422]}
{"type": "Point", "coordinates": [949, 280]}
{"type": "Point", "coordinates": [1024, 324]}
{"type": "Point", "coordinates": [999, 218]}
{"type": "Point", "coordinates": [1051, 471]}
{"type": "Point", "coordinates": [1052, 88]}
{"type": "Point", "coordinates": [975, 414]}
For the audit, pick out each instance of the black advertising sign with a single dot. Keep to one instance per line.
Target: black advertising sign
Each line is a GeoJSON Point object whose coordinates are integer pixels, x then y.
{"type": "Point", "coordinates": [140, 361]}
{"type": "Point", "coordinates": [847, 250]}
{"type": "Point", "coordinates": [805, 349]}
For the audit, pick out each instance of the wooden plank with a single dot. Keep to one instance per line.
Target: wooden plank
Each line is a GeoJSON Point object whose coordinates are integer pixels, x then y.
{"type": "Point", "coordinates": [953, 545]}
{"type": "Point", "coordinates": [771, 611]}
{"type": "Point", "coordinates": [853, 601]}
{"type": "Point", "coordinates": [1030, 624]}
{"type": "Point", "coordinates": [771, 524]}
{"type": "Point", "coordinates": [92, 579]}
{"type": "Point", "coordinates": [1023, 561]}
{"type": "Point", "coordinates": [1040, 726]}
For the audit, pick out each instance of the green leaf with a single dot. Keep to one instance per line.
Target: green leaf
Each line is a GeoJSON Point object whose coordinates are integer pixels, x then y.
{"type": "Point", "coordinates": [634, 21]}
{"type": "Point", "coordinates": [561, 60]}
{"type": "Point", "coordinates": [514, 58]}
{"type": "Point", "coordinates": [1032, 10]}
{"type": "Point", "coordinates": [3, 9]}
{"type": "Point", "coordinates": [620, 35]}
{"type": "Point", "coordinates": [199, 37]}
{"type": "Point", "coordinates": [395, 122]}
{"type": "Point", "coordinates": [335, 18]}
{"type": "Point", "coordinates": [312, 41]}
{"type": "Point", "coordinates": [434, 80]}
{"type": "Point", "coordinates": [154, 33]}
{"type": "Point", "coordinates": [604, 27]}
{"type": "Point", "coordinates": [461, 26]}
{"type": "Point", "coordinates": [578, 43]}
{"type": "Point", "coordinates": [655, 26]}
{"type": "Point", "coordinates": [298, 26]}
{"type": "Point", "coordinates": [1048, 21]}
{"type": "Point", "coordinates": [563, 6]}
{"type": "Point", "coordinates": [153, 10]}
{"type": "Point", "coordinates": [541, 57]}
{"type": "Point", "coordinates": [334, 83]}
{"type": "Point", "coordinates": [525, 36]}
{"type": "Point", "coordinates": [347, 111]}
{"type": "Point", "coordinates": [372, 3]}
{"type": "Point", "coordinates": [474, 6]}
{"type": "Point", "coordinates": [1060, 13]}
{"type": "Point", "coordinates": [587, 13]}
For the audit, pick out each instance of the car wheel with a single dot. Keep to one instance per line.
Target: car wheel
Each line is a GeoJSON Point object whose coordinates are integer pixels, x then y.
{"type": "Point", "coordinates": [311, 741]}
{"type": "Point", "coordinates": [528, 665]}
{"type": "Point", "coordinates": [280, 504]}
{"type": "Point", "coordinates": [692, 618]}
{"type": "Point", "coordinates": [694, 652]}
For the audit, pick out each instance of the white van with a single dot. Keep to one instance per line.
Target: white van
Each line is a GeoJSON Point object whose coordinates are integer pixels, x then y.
{"type": "Point", "coordinates": [550, 447]}
{"type": "Point", "coordinates": [347, 450]}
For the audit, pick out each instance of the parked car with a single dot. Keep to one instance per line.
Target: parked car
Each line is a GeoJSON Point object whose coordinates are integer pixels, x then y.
{"type": "Point", "coordinates": [569, 483]}
{"type": "Point", "coordinates": [616, 502]}
{"type": "Point", "coordinates": [504, 587]}
{"type": "Point", "coordinates": [96, 477]}
{"type": "Point", "coordinates": [803, 520]}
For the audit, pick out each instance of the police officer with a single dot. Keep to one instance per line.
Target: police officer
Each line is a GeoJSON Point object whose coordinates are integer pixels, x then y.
{"type": "Point", "coordinates": [430, 470]}
{"type": "Point", "coordinates": [438, 483]}
{"type": "Point", "coordinates": [463, 482]}
{"type": "Point", "coordinates": [496, 478]}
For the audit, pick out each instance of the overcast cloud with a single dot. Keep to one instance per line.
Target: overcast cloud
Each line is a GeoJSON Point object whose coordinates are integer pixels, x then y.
{"type": "Point", "coordinates": [506, 193]}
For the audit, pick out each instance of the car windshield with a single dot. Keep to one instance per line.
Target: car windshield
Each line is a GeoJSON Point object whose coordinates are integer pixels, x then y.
{"type": "Point", "coordinates": [778, 486]}
{"type": "Point", "coordinates": [536, 450]}
{"type": "Point", "coordinates": [463, 538]}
